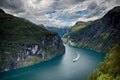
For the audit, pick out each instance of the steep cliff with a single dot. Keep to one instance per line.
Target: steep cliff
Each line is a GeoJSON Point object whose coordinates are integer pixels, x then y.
{"type": "Point", "coordinates": [100, 35]}
{"type": "Point", "coordinates": [23, 43]}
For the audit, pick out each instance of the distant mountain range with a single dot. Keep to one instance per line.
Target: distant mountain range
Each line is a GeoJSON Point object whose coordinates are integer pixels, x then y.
{"type": "Point", "coordinates": [100, 35]}
{"type": "Point", "coordinates": [60, 31]}
{"type": "Point", "coordinates": [23, 43]}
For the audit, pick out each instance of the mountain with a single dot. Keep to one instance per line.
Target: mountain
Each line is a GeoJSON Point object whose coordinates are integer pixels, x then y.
{"type": "Point", "coordinates": [23, 43]}
{"type": "Point", "coordinates": [60, 31]}
{"type": "Point", "coordinates": [100, 35]}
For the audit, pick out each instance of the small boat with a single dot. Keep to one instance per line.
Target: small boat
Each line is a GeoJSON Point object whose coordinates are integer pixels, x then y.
{"type": "Point", "coordinates": [77, 58]}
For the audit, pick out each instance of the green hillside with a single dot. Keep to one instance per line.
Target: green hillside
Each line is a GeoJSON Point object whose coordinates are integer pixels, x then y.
{"type": "Point", "coordinates": [110, 68]}
{"type": "Point", "coordinates": [23, 43]}
{"type": "Point", "coordinates": [102, 35]}
{"type": "Point", "coordinates": [99, 35]}
{"type": "Point", "coordinates": [78, 26]}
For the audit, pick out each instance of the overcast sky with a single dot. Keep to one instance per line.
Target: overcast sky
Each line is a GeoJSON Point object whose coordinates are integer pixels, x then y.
{"type": "Point", "coordinates": [58, 13]}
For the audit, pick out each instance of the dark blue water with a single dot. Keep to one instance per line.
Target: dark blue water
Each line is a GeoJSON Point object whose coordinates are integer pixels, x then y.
{"type": "Point", "coordinates": [59, 68]}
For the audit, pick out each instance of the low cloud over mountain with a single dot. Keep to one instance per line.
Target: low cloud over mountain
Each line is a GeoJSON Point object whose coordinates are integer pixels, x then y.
{"type": "Point", "coordinates": [58, 12]}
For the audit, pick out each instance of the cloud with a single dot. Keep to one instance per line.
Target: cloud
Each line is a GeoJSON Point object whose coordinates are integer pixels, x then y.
{"type": "Point", "coordinates": [58, 13]}
{"type": "Point", "coordinates": [13, 5]}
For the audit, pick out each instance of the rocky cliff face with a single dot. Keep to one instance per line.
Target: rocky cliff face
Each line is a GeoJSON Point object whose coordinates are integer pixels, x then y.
{"type": "Point", "coordinates": [100, 35]}
{"type": "Point", "coordinates": [23, 43]}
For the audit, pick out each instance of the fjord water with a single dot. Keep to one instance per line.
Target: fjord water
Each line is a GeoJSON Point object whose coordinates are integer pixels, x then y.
{"type": "Point", "coordinates": [59, 68]}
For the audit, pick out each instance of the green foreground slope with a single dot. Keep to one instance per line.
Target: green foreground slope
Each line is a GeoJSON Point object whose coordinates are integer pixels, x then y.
{"type": "Point", "coordinates": [23, 43]}
{"type": "Point", "coordinates": [110, 68]}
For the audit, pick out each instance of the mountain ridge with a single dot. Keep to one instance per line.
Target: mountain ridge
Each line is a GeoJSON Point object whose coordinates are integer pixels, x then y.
{"type": "Point", "coordinates": [23, 43]}
{"type": "Point", "coordinates": [98, 34]}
